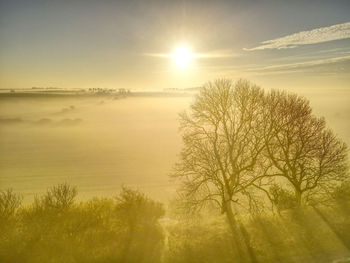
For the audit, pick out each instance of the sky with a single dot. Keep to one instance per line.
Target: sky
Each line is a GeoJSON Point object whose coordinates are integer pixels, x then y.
{"type": "Point", "coordinates": [116, 44]}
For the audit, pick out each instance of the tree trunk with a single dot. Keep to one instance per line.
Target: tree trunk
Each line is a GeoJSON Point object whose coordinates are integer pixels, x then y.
{"type": "Point", "coordinates": [230, 217]}
{"type": "Point", "coordinates": [240, 240]}
{"type": "Point", "coordinates": [298, 197]}
{"type": "Point", "coordinates": [236, 244]}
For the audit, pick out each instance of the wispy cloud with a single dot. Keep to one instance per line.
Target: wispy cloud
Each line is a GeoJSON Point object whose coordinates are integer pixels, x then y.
{"type": "Point", "coordinates": [311, 63]}
{"type": "Point", "coordinates": [318, 35]}
{"type": "Point", "coordinates": [296, 67]}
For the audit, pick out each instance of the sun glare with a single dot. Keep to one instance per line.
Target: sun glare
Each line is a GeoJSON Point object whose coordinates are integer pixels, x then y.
{"type": "Point", "coordinates": [182, 56]}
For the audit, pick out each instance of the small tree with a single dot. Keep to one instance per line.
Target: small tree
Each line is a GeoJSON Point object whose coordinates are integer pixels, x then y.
{"type": "Point", "coordinates": [138, 217]}
{"type": "Point", "coordinates": [300, 148]}
{"type": "Point", "coordinates": [59, 197]}
{"type": "Point", "coordinates": [134, 208]}
{"type": "Point", "coordinates": [9, 203]}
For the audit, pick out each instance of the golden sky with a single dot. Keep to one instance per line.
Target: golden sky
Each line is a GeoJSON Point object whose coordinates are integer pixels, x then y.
{"type": "Point", "coordinates": [128, 44]}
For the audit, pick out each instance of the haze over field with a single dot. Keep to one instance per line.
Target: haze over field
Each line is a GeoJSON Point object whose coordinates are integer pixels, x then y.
{"type": "Point", "coordinates": [132, 141]}
{"type": "Point", "coordinates": [99, 144]}
{"type": "Point", "coordinates": [162, 131]}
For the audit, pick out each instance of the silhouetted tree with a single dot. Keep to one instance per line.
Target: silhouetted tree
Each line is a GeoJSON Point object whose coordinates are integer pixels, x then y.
{"type": "Point", "coordinates": [300, 148]}
{"type": "Point", "coordinates": [223, 144]}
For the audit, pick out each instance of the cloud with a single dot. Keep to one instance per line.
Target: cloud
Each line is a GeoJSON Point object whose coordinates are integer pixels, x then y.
{"type": "Point", "coordinates": [318, 35]}
{"type": "Point", "coordinates": [297, 67]}
{"type": "Point", "coordinates": [311, 63]}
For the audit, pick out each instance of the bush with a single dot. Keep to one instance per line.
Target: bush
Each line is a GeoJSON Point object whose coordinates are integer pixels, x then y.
{"type": "Point", "coordinates": [56, 229]}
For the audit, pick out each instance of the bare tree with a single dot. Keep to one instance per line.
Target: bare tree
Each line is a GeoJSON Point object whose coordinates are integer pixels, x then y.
{"type": "Point", "coordinates": [9, 203]}
{"type": "Point", "coordinates": [223, 144]}
{"type": "Point", "coordinates": [300, 147]}
{"type": "Point", "coordinates": [61, 196]}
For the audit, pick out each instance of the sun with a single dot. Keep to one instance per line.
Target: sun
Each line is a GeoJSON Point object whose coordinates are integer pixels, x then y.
{"type": "Point", "coordinates": [182, 56]}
